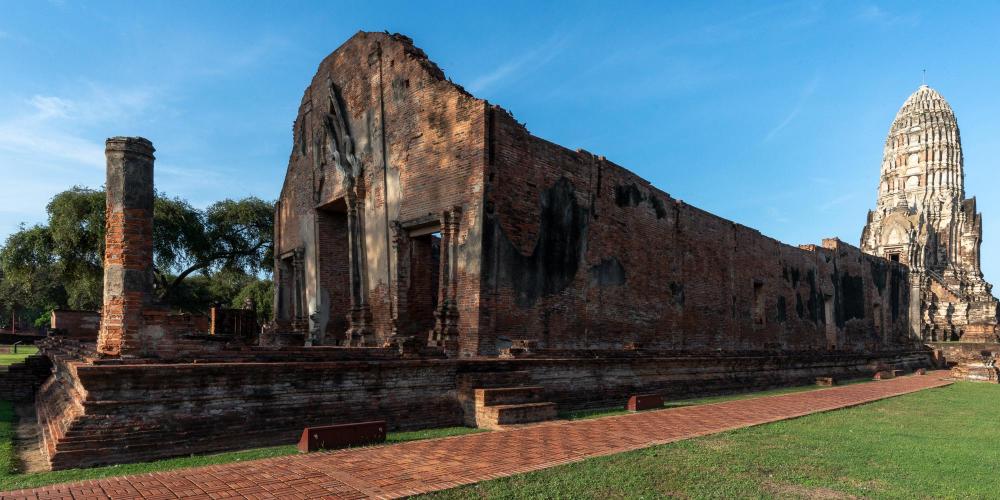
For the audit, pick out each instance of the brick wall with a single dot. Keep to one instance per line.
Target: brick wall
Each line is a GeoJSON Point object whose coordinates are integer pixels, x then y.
{"type": "Point", "coordinates": [418, 141]}
{"type": "Point", "coordinates": [559, 246]}
{"type": "Point", "coordinates": [81, 325]}
{"type": "Point", "coordinates": [581, 253]}
{"type": "Point", "coordinates": [94, 414]}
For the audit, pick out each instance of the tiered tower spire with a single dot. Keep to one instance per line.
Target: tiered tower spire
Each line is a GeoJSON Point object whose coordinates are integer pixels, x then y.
{"type": "Point", "coordinates": [923, 219]}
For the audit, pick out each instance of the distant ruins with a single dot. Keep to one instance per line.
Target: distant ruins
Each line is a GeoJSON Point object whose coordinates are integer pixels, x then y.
{"type": "Point", "coordinates": [438, 265]}
{"type": "Point", "coordinates": [922, 219]}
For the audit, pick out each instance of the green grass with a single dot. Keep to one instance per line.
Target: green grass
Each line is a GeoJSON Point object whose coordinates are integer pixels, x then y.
{"type": "Point", "coordinates": [607, 412]}
{"type": "Point", "coordinates": [23, 351]}
{"type": "Point", "coordinates": [938, 443]}
{"type": "Point", "coordinates": [11, 480]}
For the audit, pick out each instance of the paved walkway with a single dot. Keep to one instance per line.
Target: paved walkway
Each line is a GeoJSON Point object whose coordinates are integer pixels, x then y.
{"type": "Point", "coordinates": [431, 465]}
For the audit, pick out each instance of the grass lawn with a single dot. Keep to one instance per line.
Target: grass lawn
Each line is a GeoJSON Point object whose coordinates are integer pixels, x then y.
{"type": "Point", "coordinates": [23, 351]}
{"type": "Point", "coordinates": [937, 443]}
{"type": "Point", "coordinates": [607, 412]}
{"type": "Point", "coordinates": [11, 480]}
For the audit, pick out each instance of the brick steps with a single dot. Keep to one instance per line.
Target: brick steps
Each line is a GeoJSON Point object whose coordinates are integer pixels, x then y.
{"type": "Point", "coordinates": [512, 414]}
{"type": "Point", "coordinates": [508, 395]}
{"type": "Point", "coordinates": [496, 399]}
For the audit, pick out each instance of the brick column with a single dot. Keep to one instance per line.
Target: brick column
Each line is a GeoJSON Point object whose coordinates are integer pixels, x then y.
{"type": "Point", "coordinates": [128, 240]}
{"type": "Point", "coordinates": [445, 332]}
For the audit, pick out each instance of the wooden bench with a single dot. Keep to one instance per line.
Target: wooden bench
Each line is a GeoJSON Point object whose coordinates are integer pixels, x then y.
{"type": "Point", "coordinates": [327, 437]}
{"type": "Point", "coordinates": [639, 402]}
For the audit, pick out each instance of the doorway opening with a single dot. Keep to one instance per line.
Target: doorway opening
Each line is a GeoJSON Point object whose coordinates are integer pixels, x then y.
{"type": "Point", "coordinates": [334, 275]}
{"type": "Point", "coordinates": [424, 261]}
{"type": "Point", "coordinates": [758, 304]}
{"type": "Point", "coordinates": [831, 326]}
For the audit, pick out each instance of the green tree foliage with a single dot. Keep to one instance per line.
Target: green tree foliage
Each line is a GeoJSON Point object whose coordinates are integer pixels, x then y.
{"type": "Point", "coordinates": [201, 257]}
{"type": "Point", "coordinates": [231, 236]}
{"type": "Point", "coordinates": [261, 292]}
{"type": "Point", "coordinates": [76, 222]}
{"type": "Point", "coordinates": [29, 274]}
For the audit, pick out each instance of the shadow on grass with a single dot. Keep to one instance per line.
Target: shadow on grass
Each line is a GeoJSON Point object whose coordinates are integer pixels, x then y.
{"type": "Point", "coordinates": [612, 411]}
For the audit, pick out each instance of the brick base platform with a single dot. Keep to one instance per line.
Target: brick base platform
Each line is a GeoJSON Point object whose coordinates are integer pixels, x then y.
{"type": "Point", "coordinates": [96, 411]}
{"type": "Point", "coordinates": [431, 465]}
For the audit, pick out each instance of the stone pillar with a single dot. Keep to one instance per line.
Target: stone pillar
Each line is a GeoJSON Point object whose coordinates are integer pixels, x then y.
{"type": "Point", "coordinates": [359, 330]}
{"type": "Point", "coordinates": [128, 240]}
{"type": "Point", "coordinates": [916, 310]}
{"type": "Point", "coordinates": [445, 333]}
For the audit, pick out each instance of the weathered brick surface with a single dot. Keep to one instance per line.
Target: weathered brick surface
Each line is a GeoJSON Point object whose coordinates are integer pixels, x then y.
{"type": "Point", "coordinates": [80, 325]}
{"type": "Point", "coordinates": [425, 466]}
{"type": "Point", "coordinates": [415, 143]}
{"type": "Point", "coordinates": [556, 246]}
{"type": "Point", "coordinates": [585, 254]}
{"type": "Point", "coordinates": [112, 412]}
{"type": "Point", "coordinates": [128, 246]}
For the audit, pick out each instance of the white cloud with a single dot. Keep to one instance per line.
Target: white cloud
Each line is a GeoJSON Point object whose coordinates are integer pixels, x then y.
{"type": "Point", "coordinates": [50, 106]}
{"type": "Point", "coordinates": [531, 59]}
{"type": "Point", "coordinates": [877, 15]}
{"type": "Point", "coordinates": [836, 201]}
{"type": "Point", "coordinates": [49, 143]}
{"type": "Point", "coordinates": [807, 91]}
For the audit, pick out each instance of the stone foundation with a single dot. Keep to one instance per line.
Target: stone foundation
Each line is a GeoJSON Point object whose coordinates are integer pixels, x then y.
{"type": "Point", "coordinates": [95, 412]}
{"type": "Point", "coordinates": [972, 361]}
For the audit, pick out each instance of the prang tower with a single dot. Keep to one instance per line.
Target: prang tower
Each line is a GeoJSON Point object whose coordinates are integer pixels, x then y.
{"type": "Point", "coordinates": [923, 220]}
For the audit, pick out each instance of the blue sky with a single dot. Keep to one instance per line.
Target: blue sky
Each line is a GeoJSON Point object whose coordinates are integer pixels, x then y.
{"type": "Point", "coordinates": [769, 114]}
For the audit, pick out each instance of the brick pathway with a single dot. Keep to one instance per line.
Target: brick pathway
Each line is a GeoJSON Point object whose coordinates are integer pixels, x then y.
{"type": "Point", "coordinates": [431, 465]}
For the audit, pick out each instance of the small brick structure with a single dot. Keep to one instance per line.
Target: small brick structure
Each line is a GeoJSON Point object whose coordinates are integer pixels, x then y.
{"type": "Point", "coordinates": [80, 325]}
{"type": "Point", "coordinates": [883, 375]}
{"type": "Point", "coordinates": [241, 323]}
{"type": "Point", "coordinates": [640, 402]}
{"type": "Point", "coordinates": [826, 381]}
{"type": "Point", "coordinates": [328, 437]}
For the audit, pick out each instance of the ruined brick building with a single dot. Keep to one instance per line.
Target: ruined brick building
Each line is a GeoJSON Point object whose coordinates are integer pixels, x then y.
{"type": "Point", "coordinates": [922, 219]}
{"type": "Point", "coordinates": [413, 210]}
{"type": "Point", "coordinates": [439, 265]}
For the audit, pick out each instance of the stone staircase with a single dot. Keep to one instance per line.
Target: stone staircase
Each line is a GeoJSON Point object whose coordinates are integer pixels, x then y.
{"type": "Point", "coordinates": [493, 400]}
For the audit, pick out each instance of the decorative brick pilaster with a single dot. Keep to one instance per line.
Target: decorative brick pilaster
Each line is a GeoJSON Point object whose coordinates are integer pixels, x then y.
{"type": "Point", "coordinates": [128, 253]}
{"type": "Point", "coordinates": [445, 333]}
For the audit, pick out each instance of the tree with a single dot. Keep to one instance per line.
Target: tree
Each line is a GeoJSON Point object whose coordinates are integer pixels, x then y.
{"type": "Point", "coordinates": [261, 292]}
{"type": "Point", "coordinates": [30, 274]}
{"type": "Point", "coordinates": [76, 223]}
{"type": "Point", "coordinates": [234, 236]}
{"type": "Point", "coordinates": [61, 264]}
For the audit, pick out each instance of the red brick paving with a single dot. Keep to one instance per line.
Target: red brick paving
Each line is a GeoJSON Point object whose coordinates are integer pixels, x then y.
{"type": "Point", "coordinates": [431, 465]}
